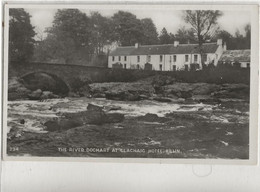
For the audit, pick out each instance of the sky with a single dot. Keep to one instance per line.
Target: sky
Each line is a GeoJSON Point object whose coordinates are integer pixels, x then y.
{"type": "Point", "coordinates": [172, 20]}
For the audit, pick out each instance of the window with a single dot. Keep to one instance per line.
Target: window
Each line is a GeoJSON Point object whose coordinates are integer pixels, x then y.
{"type": "Point", "coordinates": [138, 66]}
{"type": "Point", "coordinates": [195, 58]}
{"type": "Point", "coordinates": [119, 58]}
{"type": "Point", "coordinates": [125, 58]}
{"type": "Point", "coordinates": [138, 59]}
{"type": "Point", "coordinates": [125, 66]}
{"type": "Point", "coordinates": [186, 58]}
{"type": "Point", "coordinates": [170, 59]}
{"type": "Point", "coordinates": [161, 58]}
{"type": "Point", "coordinates": [113, 58]}
{"type": "Point", "coordinates": [174, 58]}
{"type": "Point", "coordinates": [148, 58]}
{"type": "Point", "coordinates": [248, 65]}
{"type": "Point", "coordinates": [160, 67]}
{"type": "Point", "coordinates": [174, 67]}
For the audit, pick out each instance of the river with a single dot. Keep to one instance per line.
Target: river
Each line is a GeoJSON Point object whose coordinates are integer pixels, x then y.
{"type": "Point", "coordinates": [180, 129]}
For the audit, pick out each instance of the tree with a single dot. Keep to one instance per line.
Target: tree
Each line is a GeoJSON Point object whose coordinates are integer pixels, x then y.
{"type": "Point", "coordinates": [165, 37]}
{"type": "Point", "coordinates": [226, 37]}
{"type": "Point", "coordinates": [102, 32]}
{"type": "Point", "coordinates": [248, 36]}
{"type": "Point", "coordinates": [149, 32]}
{"type": "Point", "coordinates": [21, 34]}
{"type": "Point", "coordinates": [69, 38]}
{"type": "Point", "coordinates": [184, 36]}
{"type": "Point", "coordinates": [127, 28]}
{"type": "Point", "coordinates": [204, 23]}
{"type": "Point", "coordinates": [238, 41]}
{"type": "Point", "coordinates": [72, 23]}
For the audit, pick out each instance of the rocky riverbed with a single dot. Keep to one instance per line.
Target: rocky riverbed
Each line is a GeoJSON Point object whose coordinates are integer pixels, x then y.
{"type": "Point", "coordinates": [152, 117]}
{"type": "Point", "coordinates": [75, 126]}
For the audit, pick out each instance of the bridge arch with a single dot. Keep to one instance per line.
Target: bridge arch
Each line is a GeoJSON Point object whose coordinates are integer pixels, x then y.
{"type": "Point", "coordinates": [46, 82]}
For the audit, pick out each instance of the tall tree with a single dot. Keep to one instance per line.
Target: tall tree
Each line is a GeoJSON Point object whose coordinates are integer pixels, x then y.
{"type": "Point", "coordinates": [204, 23]}
{"type": "Point", "coordinates": [21, 34]}
{"type": "Point", "coordinates": [226, 37]}
{"type": "Point", "coordinates": [72, 23]}
{"type": "Point", "coordinates": [149, 32]}
{"type": "Point", "coordinates": [184, 36]}
{"type": "Point", "coordinates": [69, 36]}
{"type": "Point", "coordinates": [248, 36]}
{"type": "Point", "coordinates": [165, 37]}
{"type": "Point", "coordinates": [102, 32]}
{"type": "Point", "coordinates": [127, 28]}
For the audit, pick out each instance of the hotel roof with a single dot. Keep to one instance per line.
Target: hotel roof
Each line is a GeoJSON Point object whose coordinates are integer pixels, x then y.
{"type": "Point", "coordinates": [236, 55]}
{"type": "Point", "coordinates": [164, 49]}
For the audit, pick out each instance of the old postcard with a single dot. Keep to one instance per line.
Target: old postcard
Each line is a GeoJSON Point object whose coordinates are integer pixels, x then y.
{"type": "Point", "coordinates": [131, 83]}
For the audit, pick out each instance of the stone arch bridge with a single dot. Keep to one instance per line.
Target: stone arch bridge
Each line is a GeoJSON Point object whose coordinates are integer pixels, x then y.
{"type": "Point", "coordinates": [66, 72]}
{"type": "Point", "coordinates": [69, 72]}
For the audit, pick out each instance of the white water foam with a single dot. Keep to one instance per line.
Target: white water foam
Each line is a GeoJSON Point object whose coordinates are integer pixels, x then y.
{"type": "Point", "coordinates": [33, 112]}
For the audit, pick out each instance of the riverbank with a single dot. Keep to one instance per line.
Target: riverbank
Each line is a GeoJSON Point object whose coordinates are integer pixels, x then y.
{"type": "Point", "coordinates": [158, 88]}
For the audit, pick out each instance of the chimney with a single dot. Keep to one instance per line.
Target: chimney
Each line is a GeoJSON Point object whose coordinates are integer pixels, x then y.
{"type": "Point", "coordinates": [136, 45]}
{"type": "Point", "coordinates": [219, 42]}
{"type": "Point", "coordinates": [175, 43]}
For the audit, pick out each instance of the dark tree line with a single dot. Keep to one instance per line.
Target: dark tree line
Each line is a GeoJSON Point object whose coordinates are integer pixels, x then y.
{"type": "Point", "coordinates": [21, 33]}
{"type": "Point", "coordinates": [237, 41]}
{"type": "Point", "coordinates": [75, 37]}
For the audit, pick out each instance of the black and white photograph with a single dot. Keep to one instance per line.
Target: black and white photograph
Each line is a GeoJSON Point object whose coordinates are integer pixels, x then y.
{"type": "Point", "coordinates": [145, 82]}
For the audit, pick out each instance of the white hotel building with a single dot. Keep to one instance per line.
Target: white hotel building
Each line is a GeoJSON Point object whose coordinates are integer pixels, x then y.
{"type": "Point", "coordinates": [169, 57]}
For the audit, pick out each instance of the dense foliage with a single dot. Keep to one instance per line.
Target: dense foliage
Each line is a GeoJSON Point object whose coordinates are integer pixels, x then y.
{"type": "Point", "coordinates": [79, 38]}
{"type": "Point", "coordinates": [21, 33]}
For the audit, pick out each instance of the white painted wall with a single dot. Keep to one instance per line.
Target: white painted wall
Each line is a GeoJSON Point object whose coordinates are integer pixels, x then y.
{"type": "Point", "coordinates": [167, 61]}
{"type": "Point", "coordinates": [244, 64]}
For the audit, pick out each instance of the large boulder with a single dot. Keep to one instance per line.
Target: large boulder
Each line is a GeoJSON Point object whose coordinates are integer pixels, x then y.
{"type": "Point", "coordinates": [237, 91]}
{"type": "Point", "coordinates": [122, 91]}
{"type": "Point", "coordinates": [181, 90]}
{"type": "Point", "coordinates": [35, 95]}
{"type": "Point", "coordinates": [204, 88]}
{"type": "Point", "coordinates": [64, 124]}
{"type": "Point", "coordinates": [159, 80]}
{"type": "Point", "coordinates": [150, 117]}
{"type": "Point", "coordinates": [80, 86]}
{"type": "Point", "coordinates": [94, 115]}
{"type": "Point", "coordinates": [114, 118]}
{"type": "Point", "coordinates": [48, 95]}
